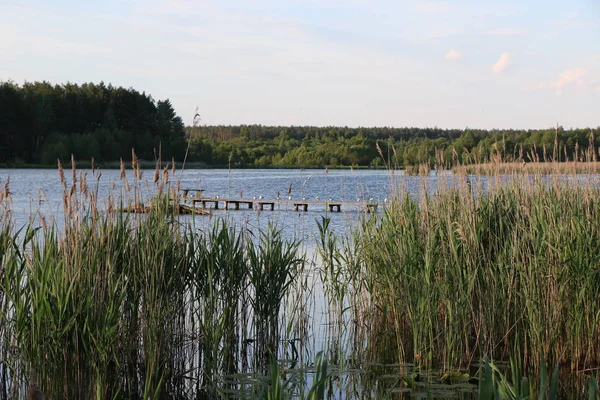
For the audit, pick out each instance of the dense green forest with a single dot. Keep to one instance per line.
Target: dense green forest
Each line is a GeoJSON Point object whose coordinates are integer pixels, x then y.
{"type": "Point", "coordinates": [257, 145]}
{"type": "Point", "coordinates": [41, 122]}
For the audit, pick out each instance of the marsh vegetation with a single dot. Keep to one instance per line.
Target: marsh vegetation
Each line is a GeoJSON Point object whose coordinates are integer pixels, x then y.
{"type": "Point", "coordinates": [463, 292]}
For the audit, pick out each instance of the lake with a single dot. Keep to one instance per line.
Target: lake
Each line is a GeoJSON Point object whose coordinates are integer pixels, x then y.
{"type": "Point", "coordinates": [39, 191]}
{"type": "Point", "coordinates": [330, 309]}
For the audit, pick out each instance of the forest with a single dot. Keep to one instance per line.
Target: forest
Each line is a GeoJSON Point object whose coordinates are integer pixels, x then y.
{"type": "Point", "coordinates": [267, 146]}
{"type": "Point", "coordinates": [41, 123]}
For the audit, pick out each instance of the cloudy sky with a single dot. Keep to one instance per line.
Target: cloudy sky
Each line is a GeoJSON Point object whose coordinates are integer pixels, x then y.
{"type": "Point", "coordinates": [452, 64]}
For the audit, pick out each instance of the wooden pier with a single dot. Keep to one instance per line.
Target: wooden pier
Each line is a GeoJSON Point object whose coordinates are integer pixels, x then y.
{"type": "Point", "coordinates": [196, 196]}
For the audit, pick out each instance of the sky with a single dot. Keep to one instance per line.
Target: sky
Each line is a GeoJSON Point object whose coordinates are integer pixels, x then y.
{"type": "Point", "coordinates": [520, 64]}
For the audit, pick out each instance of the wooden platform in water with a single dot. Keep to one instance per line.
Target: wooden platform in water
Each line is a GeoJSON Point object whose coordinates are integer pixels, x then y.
{"type": "Point", "coordinates": [195, 196]}
{"type": "Point", "coordinates": [182, 209]}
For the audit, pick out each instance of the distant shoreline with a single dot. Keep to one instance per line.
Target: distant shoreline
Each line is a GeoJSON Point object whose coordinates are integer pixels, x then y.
{"type": "Point", "coordinates": [189, 165]}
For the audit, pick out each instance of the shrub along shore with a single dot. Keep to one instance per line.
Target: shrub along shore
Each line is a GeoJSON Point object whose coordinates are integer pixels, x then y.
{"type": "Point", "coordinates": [110, 305]}
{"type": "Point", "coordinates": [41, 122]}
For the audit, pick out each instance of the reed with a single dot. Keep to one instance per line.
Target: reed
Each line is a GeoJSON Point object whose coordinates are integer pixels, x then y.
{"type": "Point", "coordinates": [112, 305]}
{"type": "Point", "coordinates": [531, 168]}
{"type": "Point", "coordinates": [468, 273]}
{"type": "Point", "coordinates": [342, 278]}
{"type": "Point", "coordinates": [496, 384]}
{"type": "Point", "coordinates": [98, 304]}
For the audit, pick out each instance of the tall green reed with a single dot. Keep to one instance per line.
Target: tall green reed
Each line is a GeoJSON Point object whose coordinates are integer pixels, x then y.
{"type": "Point", "coordinates": [113, 305]}
{"type": "Point", "coordinates": [461, 275]}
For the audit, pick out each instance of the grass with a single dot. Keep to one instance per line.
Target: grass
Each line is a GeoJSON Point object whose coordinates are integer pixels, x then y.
{"type": "Point", "coordinates": [114, 305]}
{"type": "Point", "coordinates": [117, 306]}
{"type": "Point", "coordinates": [551, 162]}
{"type": "Point", "coordinates": [533, 168]}
{"type": "Point", "coordinates": [467, 273]}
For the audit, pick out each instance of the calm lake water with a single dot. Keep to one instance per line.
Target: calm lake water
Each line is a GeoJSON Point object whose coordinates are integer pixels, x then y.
{"type": "Point", "coordinates": [39, 191]}
{"type": "Point", "coordinates": [36, 191]}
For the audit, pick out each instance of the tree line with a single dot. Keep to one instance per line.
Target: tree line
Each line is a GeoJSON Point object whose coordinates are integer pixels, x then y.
{"type": "Point", "coordinates": [41, 123]}
{"type": "Point", "coordinates": [271, 146]}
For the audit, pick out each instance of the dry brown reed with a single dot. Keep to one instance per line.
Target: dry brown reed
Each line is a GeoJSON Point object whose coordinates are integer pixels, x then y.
{"type": "Point", "coordinates": [531, 168]}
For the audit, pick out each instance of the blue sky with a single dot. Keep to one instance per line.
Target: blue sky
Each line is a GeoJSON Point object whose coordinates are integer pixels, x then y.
{"type": "Point", "coordinates": [452, 64]}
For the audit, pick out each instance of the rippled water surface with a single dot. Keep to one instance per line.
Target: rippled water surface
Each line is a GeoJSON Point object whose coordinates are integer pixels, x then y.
{"type": "Point", "coordinates": [40, 191]}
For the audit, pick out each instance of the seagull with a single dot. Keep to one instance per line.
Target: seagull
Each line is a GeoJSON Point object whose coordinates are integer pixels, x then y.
{"type": "Point", "coordinates": [289, 197]}
{"type": "Point", "coordinates": [317, 198]}
{"type": "Point", "coordinates": [254, 197]}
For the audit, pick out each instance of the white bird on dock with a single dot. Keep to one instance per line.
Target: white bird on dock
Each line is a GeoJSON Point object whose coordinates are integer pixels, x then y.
{"type": "Point", "coordinates": [289, 197]}
{"type": "Point", "coordinates": [385, 200]}
{"type": "Point", "coordinates": [217, 197]}
{"type": "Point", "coordinates": [260, 197]}
{"type": "Point", "coordinates": [330, 199]}
{"type": "Point", "coordinates": [317, 198]}
{"type": "Point", "coordinates": [254, 197]}
{"type": "Point", "coordinates": [304, 199]}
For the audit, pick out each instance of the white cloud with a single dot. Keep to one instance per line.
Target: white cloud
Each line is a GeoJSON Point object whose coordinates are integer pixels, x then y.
{"type": "Point", "coordinates": [569, 77]}
{"type": "Point", "coordinates": [51, 46]}
{"type": "Point", "coordinates": [503, 62]}
{"type": "Point", "coordinates": [573, 14]}
{"type": "Point", "coordinates": [8, 38]}
{"type": "Point", "coordinates": [433, 7]}
{"type": "Point", "coordinates": [453, 55]}
{"type": "Point", "coordinates": [505, 32]}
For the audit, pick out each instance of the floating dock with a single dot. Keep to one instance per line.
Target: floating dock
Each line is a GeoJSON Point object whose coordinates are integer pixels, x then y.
{"type": "Point", "coordinates": [179, 209]}
{"type": "Point", "coordinates": [195, 196]}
